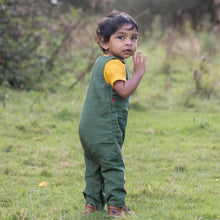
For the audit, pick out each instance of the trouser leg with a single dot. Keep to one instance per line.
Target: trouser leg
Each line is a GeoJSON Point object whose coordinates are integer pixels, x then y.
{"type": "Point", "coordinates": [112, 169]}
{"type": "Point", "coordinates": [94, 190]}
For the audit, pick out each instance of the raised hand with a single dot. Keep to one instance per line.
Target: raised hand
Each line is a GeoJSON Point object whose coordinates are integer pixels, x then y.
{"type": "Point", "coordinates": [139, 63]}
{"type": "Point", "coordinates": [125, 89]}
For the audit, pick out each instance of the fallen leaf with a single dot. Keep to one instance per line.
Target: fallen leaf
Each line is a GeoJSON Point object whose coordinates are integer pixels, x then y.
{"type": "Point", "coordinates": [42, 184]}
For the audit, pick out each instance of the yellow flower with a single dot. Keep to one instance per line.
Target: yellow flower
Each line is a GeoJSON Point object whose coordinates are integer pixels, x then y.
{"type": "Point", "coordinates": [42, 184]}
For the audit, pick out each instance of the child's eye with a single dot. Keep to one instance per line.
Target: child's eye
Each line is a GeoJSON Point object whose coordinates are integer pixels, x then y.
{"type": "Point", "coordinates": [134, 38]}
{"type": "Point", "coordinates": [121, 37]}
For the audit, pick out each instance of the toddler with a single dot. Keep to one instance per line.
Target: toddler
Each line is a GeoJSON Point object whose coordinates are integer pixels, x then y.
{"type": "Point", "coordinates": [104, 117]}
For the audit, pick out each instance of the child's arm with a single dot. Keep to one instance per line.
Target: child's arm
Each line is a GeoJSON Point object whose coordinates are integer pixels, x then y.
{"type": "Point", "coordinates": [125, 89]}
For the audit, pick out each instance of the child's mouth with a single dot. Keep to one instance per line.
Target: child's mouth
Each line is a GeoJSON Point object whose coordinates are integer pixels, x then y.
{"type": "Point", "coordinates": [128, 52]}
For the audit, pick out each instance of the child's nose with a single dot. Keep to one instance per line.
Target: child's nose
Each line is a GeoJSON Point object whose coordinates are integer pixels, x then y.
{"type": "Point", "coordinates": [128, 41]}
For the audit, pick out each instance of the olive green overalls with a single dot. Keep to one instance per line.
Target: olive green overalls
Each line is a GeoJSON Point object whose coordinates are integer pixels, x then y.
{"type": "Point", "coordinates": [102, 131]}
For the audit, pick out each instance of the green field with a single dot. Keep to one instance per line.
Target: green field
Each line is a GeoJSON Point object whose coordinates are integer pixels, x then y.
{"type": "Point", "coordinates": [171, 151]}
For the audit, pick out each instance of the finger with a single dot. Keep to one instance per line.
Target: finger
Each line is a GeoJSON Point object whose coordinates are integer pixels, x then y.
{"type": "Point", "coordinates": [134, 57]}
{"type": "Point", "coordinates": [139, 55]}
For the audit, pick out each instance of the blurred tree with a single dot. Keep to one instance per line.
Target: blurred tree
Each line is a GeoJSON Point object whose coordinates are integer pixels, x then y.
{"type": "Point", "coordinates": [173, 12]}
{"type": "Point", "coordinates": [91, 5]}
{"type": "Point", "coordinates": [20, 62]}
{"type": "Point", "coordinates": [32, 34]}
{"type": "Point", "coordinates": [217, 11]}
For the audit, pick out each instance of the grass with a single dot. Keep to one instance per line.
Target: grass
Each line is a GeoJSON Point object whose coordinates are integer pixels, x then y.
{"type": "Point", "coordinates": [171, 150]}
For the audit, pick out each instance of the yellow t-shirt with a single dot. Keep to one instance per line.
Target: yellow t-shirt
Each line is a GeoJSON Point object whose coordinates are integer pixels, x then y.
{"type": "Point", "coordinates": [114, 70]}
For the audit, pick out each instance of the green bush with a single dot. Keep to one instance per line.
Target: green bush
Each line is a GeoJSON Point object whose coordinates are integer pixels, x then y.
{"type": "Point", "coordinates": [32, 40]}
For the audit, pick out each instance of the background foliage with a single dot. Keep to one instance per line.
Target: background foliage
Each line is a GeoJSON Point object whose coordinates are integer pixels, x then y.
{"type": "Point", "coordinates": [39, 40]}
{"type": "Point", "coordinates": [171, 12]}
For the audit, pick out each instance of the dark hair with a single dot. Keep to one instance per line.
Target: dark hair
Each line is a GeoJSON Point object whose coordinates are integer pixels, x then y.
{"type": "Point", "coordinates": [109, 25]}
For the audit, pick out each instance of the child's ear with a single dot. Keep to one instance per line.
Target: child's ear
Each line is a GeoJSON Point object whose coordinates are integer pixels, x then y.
{"type": "Point", "coordinates": [103, 44]}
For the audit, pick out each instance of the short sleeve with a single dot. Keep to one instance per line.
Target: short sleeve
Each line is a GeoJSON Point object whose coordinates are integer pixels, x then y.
{"type": "Point", "coordinates": [114, 70]}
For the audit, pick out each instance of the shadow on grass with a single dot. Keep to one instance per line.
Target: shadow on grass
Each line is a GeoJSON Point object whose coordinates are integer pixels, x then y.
{"type": "Point", "coordinates": [137, 107]}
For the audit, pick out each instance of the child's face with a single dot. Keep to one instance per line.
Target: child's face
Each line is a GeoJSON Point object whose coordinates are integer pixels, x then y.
{"type": "Point", "coordinates": [122, 43]}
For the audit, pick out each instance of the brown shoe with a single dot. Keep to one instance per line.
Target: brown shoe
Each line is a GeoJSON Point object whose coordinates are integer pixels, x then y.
{"type": "Point", "coordinates": [128, 211]}
{"type": "Point", "coordinates": [115, 211]}
{"type": "Point", "coordinates": [89, 209]}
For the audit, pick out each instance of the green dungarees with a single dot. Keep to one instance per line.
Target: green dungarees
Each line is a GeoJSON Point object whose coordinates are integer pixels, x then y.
{"type": "Point", "coordinates": [102, 131]}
